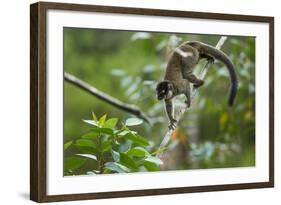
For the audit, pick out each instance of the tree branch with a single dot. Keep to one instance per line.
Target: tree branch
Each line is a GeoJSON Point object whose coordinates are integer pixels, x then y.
{"type": "Point", "coordinates": [105, 97]}
{"type": "Point", "coordinates": [178, 116]}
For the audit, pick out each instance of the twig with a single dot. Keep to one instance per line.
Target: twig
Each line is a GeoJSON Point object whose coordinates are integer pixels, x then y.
{"type": "Point", "coordinates": [105, 97]}
{"type": "Point", "coordinates": [182, 110]}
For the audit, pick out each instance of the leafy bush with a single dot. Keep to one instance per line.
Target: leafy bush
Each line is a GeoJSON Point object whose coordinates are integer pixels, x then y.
{"type": "Point", "coordinates": [111, 150]}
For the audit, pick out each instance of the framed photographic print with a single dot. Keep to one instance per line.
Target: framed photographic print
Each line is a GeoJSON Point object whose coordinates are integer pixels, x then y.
{"type": "Point", "coordinates": [134, 102]}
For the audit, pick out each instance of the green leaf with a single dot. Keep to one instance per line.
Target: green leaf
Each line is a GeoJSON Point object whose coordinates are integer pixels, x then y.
{"type": "Point", "coordinates": [106, 131]}
{"type": "Point", "coordinates": [87, 146]}
{"type": "Point", "coordinates": [71, 163]}
{"type": "Point", "coordinates": [151, 166]}
{"type": "Point", "coordinates": [88, 150]}
{"type": "Point", "coordinates": [90, 156]}
{"type": "Point", "coordinates": [85, 143]}
{"type": "Point", "coordinates": [122, 133]}
{"type": "Point", "coordinates": [67, 144]}
{"type": "Point", "coordinates": [106, 145]}
{"type": "Point", "coordinates": [116, 167]}
{"type": "Point", "coordinates": [115, 141]}
{"type": "Point", "coordinates": [110, 123]}
{"type": "Point", "coordinates": [115, 155]}
{"type": "Point", "coordinates": [94, 117]}
{"type": "Point", "coordinates": [137, 139]}
{"type": "Point", "coordinates": [91, 122]}
{"type": "Point", "coordinates": [133, 121]}
{"type": "Point", "coordinates": [90, 135]}
{"type": "Point", "coordinates": [106, 171]}
{"type": "Point", "coordinates": [154, 160]}
{"type": "Point", "coordinates": [127, 161]}
{"type": "Point", "coordinates": [138, 152]}
{"type": "Point", "coordinates": [102, 120]}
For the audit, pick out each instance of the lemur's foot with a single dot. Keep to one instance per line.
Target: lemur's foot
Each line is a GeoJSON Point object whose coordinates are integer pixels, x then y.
{"type": "Point", "coordinates": [211, 60]}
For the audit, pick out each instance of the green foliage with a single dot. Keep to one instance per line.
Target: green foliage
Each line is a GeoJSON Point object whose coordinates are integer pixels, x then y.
{"type": "Point", "coordinates": [66, 145]}
{"type": "Point", "coordinates": [72, 163]}
{"type": "Point", "coordinates": [114, 150]}
{"type": "Point", "coordinates": [127, 65]}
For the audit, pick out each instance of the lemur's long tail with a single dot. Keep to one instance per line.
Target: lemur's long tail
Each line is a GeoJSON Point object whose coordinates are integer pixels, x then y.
{"type": "Point", "coordinates": [221, 56]}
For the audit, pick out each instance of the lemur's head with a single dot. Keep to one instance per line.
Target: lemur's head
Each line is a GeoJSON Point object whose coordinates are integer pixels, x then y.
{"type": "Point", "coordinates": [165, 90]}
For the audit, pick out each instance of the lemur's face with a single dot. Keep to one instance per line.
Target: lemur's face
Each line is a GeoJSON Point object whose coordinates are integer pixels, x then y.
{"type": "Point", "coordinates": [164, 90]}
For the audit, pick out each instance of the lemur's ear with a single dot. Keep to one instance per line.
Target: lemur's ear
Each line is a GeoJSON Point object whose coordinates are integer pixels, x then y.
{"type": "Point", "coordinates": [163, 85]}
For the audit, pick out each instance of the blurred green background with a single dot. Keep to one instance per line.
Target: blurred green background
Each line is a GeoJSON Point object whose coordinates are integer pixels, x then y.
{"type": "Point", "coordinates": [128, 65]}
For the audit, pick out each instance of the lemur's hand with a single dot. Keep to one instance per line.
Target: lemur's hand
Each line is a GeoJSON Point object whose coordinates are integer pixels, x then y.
{"type": "Point", "coordinates": [199, 84]}
{"type": "Point", "coordinates": [187, 102]}
{"type": "Point", "coordinates": [173, 124]}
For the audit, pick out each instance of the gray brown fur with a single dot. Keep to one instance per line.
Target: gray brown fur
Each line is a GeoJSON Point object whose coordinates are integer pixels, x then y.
{"type": "Point", "coordinates": [179, 73]}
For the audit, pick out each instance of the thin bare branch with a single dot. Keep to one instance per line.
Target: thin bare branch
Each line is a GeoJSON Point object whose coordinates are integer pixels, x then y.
{"type": "Point", "coordinates": [105, 97]}
{"type": "Point", "coordinates": [180, 112]}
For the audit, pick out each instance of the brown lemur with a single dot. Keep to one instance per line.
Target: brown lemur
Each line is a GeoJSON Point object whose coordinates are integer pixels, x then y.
{"type": "Point", "coordinates": [179, 74]}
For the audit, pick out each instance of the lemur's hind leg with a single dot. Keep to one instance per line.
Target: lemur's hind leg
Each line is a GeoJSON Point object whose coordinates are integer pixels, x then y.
{"type": "Point", "coordinates": [188, 64]}
{"type": "Point", "coordinates": [208, 57]}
